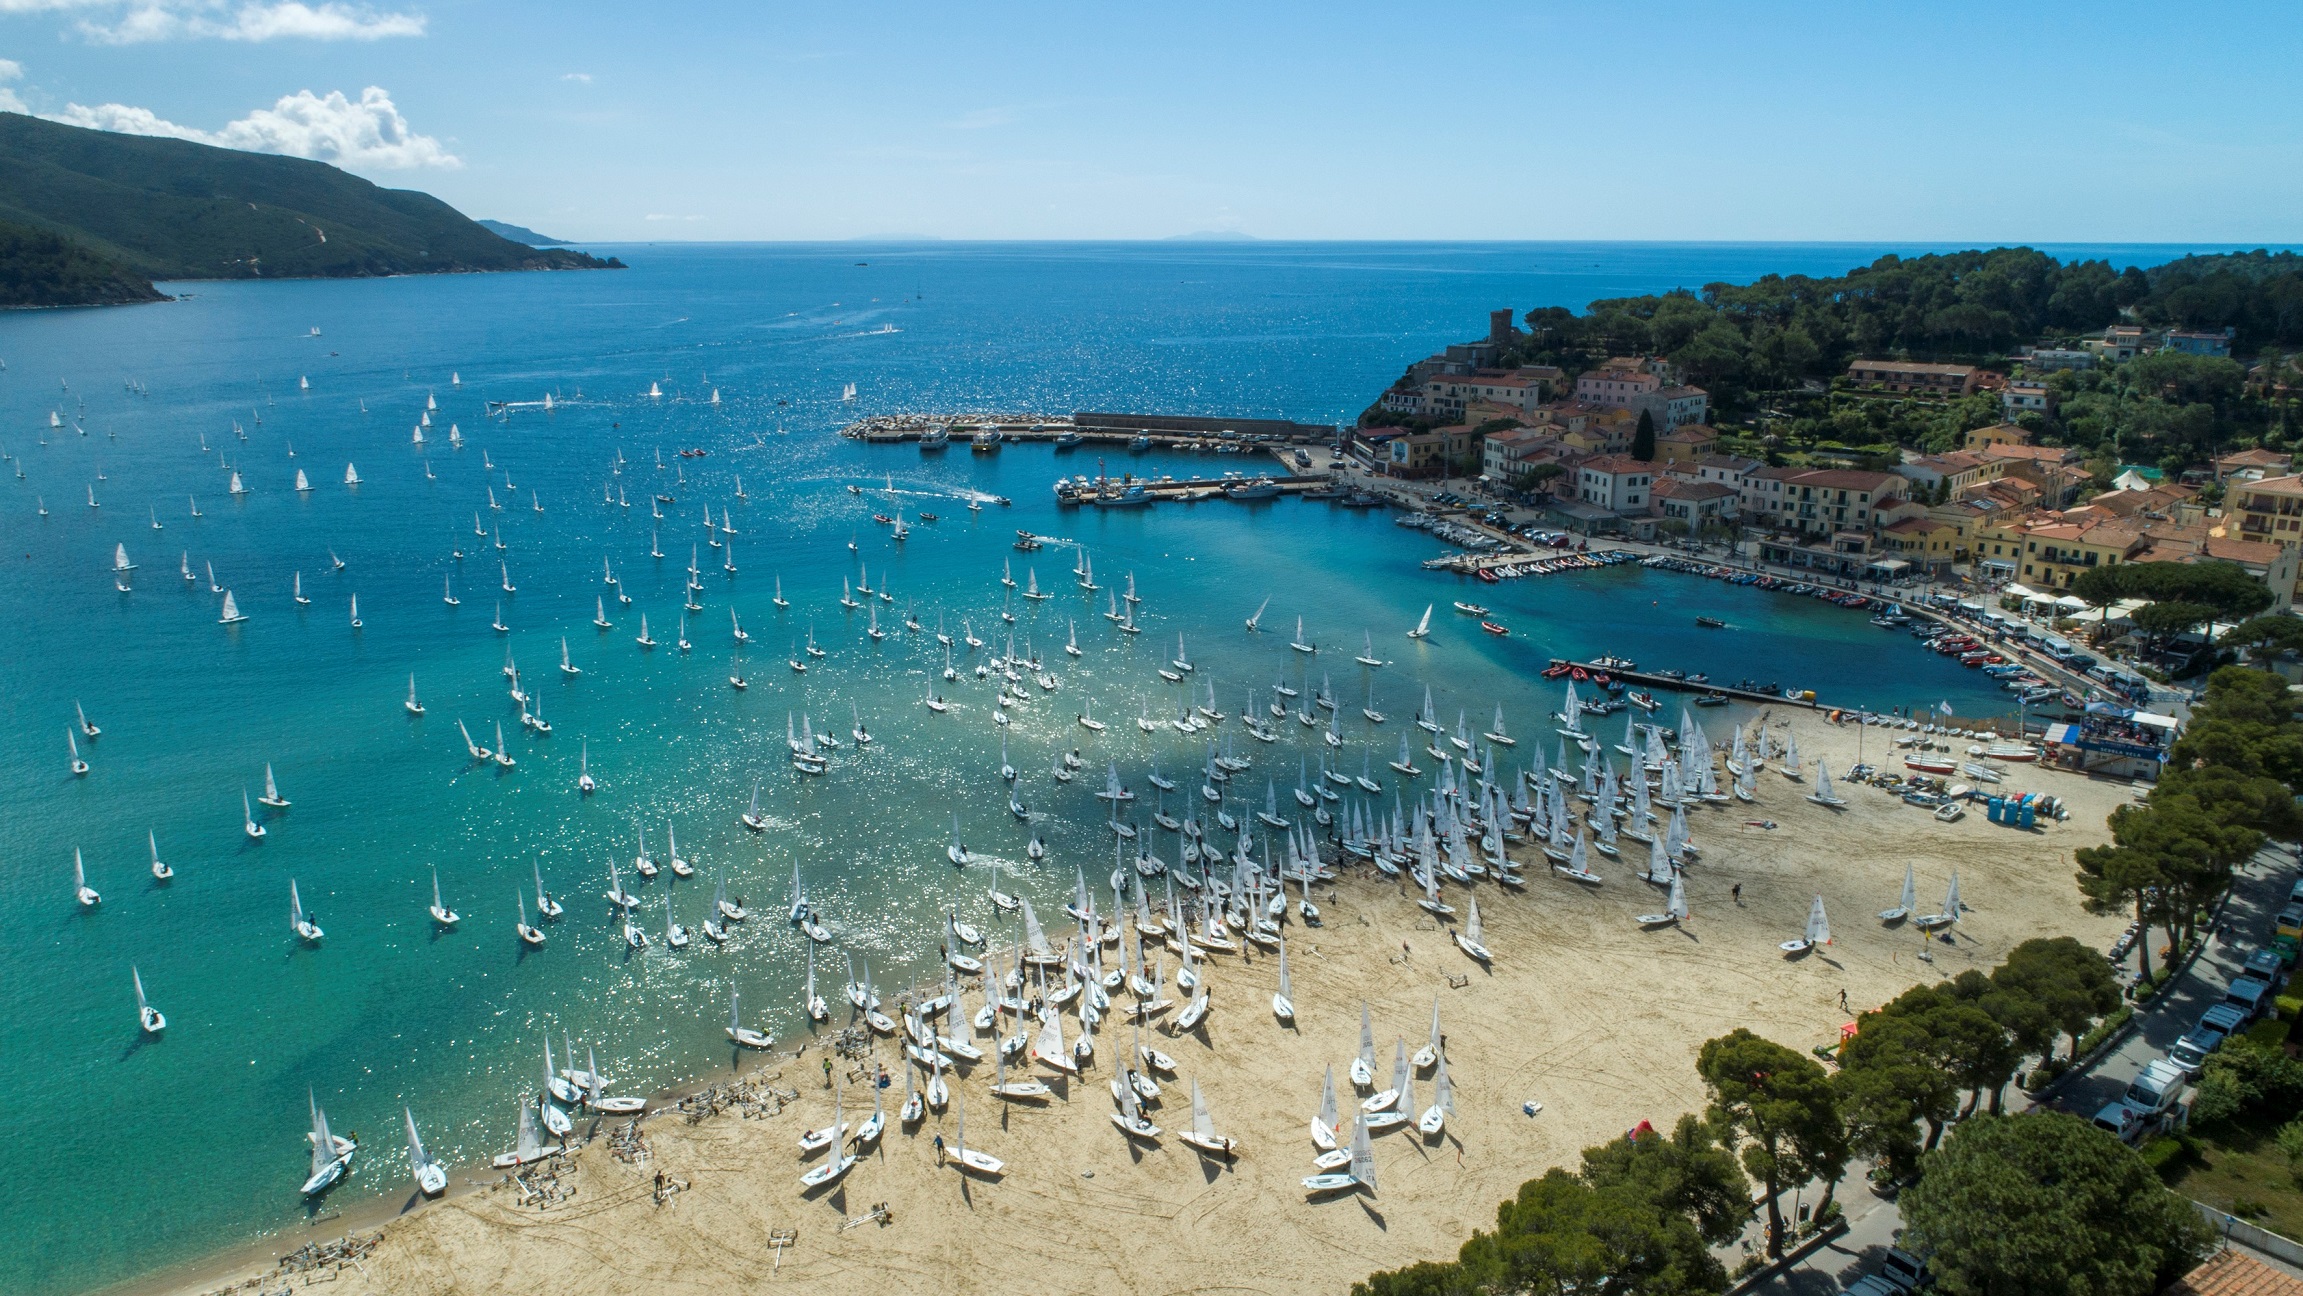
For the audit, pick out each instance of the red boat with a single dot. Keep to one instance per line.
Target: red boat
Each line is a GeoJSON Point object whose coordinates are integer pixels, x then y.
{"type": "Point", "coordinates": [882, 518]}
{"type": "Point", "coordinates": [1494, 629]}
{"type": "Point", "coordinates": [1930, 765]}
{"type": "Point", "coordinates": [1486, 575]}
{"type": "Point", "coordinates": [1575, 673]}
{"type": "Point", "coordinates": [1554, 671]}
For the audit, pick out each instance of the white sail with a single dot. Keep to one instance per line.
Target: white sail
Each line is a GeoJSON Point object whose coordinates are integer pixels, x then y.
{"type": "Point", "coordinates": [1362, 1154]}
{"type": "Point", "coordinates": [1035, 939]}
{"type": "Point", "coordinates": [1818, 926]}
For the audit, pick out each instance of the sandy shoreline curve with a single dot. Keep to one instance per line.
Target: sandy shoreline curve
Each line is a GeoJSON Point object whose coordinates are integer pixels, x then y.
{"type": "Point", "coordinates": [1583, 1012]}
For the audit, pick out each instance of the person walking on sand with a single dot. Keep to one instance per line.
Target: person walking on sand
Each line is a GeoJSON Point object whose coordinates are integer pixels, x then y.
{"type": "Point", "coordinates": [1736, 891]}
{"type": "Point", "coordinates": [1843, 1002]}
{"type": "Point", "coordinates": [827, 1071]}
{"type": "Point", "coordinates": [939, 1150]}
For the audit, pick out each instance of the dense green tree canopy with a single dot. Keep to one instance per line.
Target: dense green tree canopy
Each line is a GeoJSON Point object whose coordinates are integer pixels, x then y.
{"type": "Point", "coordinates": [2047, 1205]}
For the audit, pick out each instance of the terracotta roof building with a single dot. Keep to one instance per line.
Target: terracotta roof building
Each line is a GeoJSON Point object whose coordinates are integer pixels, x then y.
{"type": "Point", "coordinates": [1913, 376]}
{"type": "Point", "coordinates": [2235, 1273]}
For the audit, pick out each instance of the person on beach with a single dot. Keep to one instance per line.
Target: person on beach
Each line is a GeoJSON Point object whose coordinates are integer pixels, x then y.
{"type": "Point", "coordinates": [827, 1072]}
{"type": "Point", "coordinates": [1736, 891]}
{"type": "Point", "coordinates": [939, 1149]}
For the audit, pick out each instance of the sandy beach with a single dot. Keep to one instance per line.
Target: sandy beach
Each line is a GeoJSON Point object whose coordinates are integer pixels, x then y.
{"type": "Point", "coordinates": [1583, 1012]}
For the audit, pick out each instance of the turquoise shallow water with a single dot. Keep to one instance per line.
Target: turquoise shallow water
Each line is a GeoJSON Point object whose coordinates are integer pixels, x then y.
{"type": "Point", "coordinates": [144, 1154]}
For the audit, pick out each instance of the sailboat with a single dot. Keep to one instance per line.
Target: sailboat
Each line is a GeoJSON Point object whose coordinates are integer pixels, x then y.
{"type": "Point", "coordinates": [1818, 932]}
{"type": "Point", "coordinates": [1362, 1167]}
{"type": "Point", "coordinates": [1468, 939]}
{"type": "Point", "coordinates": [1202, 1133]}
{"type": "Point", "coordinates": [546, 906]}
{"type": "Point", "coordinates": [431, 1176]}
{"type": "Point", "coordinates": [1949, 914]}
{"type": "Point", "coordinates": [300, 922]}
{"type": "Point", "coordinates": [1363, 1066]}
{"type": "Point", "coordinates": [1325, 1126]}
{"type": "Point", "coordinates": [1497, 735]}
{"type": "Point", "coordinates": [232, 614]}
{"type": "Point", "coordinates": [1905, 902]}
{"type": "Point", "coordinates": [1423, 627]}
{"type": "Point", "coordinates": [331, 1155]}
{"type": "Point", "coordinates": [1367, 655]}
{"type": "Point", "coordinates": [1823, 795]}
{"type": "Point", "coordinates": [441, 913]}
{"type": "Point", "coordinates": [744, 1036]}
{"type": "Point", "coordinates": [80, 889]}
{"type": "Point", "coordinates": [355, 611]}
{"type": "Point", "coordinates": [1283, 1000]}
{"type": "Point", "coordinates": [248, 822]}
{"type": "Point", "coordinates": [351, 475]}
{"type": "Point", "coordinates": [1674, 909]}
{"type": "Point", "coordinates": [1256, 621]}
{"type": "Point", "coordinates": [1299, 643]}
{"type": "Point", "coordinates": [1434, 1118]}
{"type": "Point", "coordinates": [160, 872]}
{"type": "Point", "coordinates": [527, 1147]}
{"type": "Point", "coordinates": [272, 795]}
{"type": "Point", "coordinates": [72, 744]}
{"type": "Point", "coordinates": [967, 1159]}
{"type": "Point", "coordinates": [529, 936]}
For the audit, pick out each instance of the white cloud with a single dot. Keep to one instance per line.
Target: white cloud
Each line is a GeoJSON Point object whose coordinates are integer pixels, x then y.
{"type": "Point", "coordinates": [661, 216]}
{"type": "Point", "coordinates": [139, 21]}
{"type": "Point", "coordinates": [584, 77]}
{"type": "Point", "coordinates": [10, 101]}
{"type": "Point", "coordinates": [366, 135]}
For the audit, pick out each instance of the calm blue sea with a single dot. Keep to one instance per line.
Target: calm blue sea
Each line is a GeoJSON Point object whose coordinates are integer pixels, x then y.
{"type": "Point", "coordinates": [127, 1155]}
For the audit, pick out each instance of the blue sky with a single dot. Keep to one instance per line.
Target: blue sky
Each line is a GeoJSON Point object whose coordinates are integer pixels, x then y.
{"type": "Point", "coordinates": [1915, 121]}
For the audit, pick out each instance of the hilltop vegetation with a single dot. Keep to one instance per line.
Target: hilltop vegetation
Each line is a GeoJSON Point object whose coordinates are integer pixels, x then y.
{"type": "Point", "coordinates": [1976, 306]}
{"type": "Point", "coordinates": [172, 209]}
{"type": "Point", "coordinates": [38, 268]}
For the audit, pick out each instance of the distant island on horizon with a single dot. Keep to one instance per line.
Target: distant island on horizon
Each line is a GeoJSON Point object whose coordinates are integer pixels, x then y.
{"type": "Point", "coordinates": [520, 233]}
{"type": "Point", "coordinates": [91, 218]}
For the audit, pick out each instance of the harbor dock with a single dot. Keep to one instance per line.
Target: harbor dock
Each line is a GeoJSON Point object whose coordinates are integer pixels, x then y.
{"type": "Point", "coordinates": [1679, 684]}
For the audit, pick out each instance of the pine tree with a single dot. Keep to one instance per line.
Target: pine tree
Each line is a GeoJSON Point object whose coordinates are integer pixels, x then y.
{"type": "Point", "coordinates": [1643, 438]}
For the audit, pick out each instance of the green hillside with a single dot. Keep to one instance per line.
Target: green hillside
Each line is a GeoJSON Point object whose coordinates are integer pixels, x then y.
{"type": "Point", "coordinates": [172, 209]}
{"type": "Point", "coordinates": [39, 268]}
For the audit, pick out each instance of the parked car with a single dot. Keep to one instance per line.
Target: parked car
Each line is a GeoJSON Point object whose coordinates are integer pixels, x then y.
{"type": "Point", "coordinates": [2158, 1088]}
{"type": "Point", "coordinates": [2268, 964]}
{"type": "Point", "coordinates": [2191, 1051]}
{"type": "Point", "coordinates": [2223, 1018]}
{"type": "Point", "coordinates": [2250, 995]}
{"type": "Point", "coordinates": [1904, 1269]}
